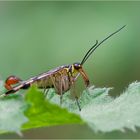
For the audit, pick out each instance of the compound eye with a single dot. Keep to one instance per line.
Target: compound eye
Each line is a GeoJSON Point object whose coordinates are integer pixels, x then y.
{"type": "Point", "coordinates": [77, 65]}
{"type": "Point", "coordinates": [11, 80]}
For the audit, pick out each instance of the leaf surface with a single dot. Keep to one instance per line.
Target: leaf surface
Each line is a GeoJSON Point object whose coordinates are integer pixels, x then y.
{"type": "Point", "coordinates": [100, 111]}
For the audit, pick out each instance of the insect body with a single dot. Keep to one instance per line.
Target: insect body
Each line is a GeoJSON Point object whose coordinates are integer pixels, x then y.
{"type": "Point", "coordinates": [61, 78]}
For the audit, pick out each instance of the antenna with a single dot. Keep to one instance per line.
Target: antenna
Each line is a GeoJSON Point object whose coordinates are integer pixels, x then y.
{"type": "Point", "coordinates": [96, 45]}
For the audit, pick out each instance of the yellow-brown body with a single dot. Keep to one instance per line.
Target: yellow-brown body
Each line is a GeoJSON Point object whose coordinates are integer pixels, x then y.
{"type": "Point", "coordinates": [60, 78]}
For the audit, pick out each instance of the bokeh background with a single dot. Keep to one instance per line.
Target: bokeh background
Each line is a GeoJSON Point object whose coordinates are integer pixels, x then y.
{"type": "Point", "coordinates": [38, 36]}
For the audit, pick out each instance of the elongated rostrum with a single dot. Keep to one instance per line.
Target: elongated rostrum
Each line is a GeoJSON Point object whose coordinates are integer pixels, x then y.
{"type": "Point", "coordinates": [61, 78]}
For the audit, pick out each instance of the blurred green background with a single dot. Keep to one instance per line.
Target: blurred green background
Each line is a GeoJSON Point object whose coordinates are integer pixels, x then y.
{"type": "Point", "coordinates": [38, 36]}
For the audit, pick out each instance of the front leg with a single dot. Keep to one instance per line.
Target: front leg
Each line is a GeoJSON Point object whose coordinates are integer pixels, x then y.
{"type": "Point", "coordinates": [84, 76]}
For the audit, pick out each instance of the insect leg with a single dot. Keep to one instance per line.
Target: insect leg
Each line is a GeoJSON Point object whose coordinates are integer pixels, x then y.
{"type": "Point", "coordinates": [53, 82]}
{"type": "Point", "coordinates": [75, 96]}
{"type": "Point", "coordinates": [61, 92]}
{"type": "Point", "coordinates": [46, 92]}
{"type": "Point", "coordinates": [85, 77]}
{"type": "Point", "coordinates": [56, 88]}
{"type": "Point", "coordinates": [77, 102]}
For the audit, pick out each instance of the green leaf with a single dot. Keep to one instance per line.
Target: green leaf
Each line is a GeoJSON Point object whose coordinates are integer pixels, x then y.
{"type": "Point", "coordinates": [12, 114]}
{"type": "Point", "coordinates": [104, 113]}
{"type": "Point", "coordinates": [100, 111]}
{"type": "Point", "coordinates": [107, 114]}
{"type": "Point", "coordinates": [43, 113]}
